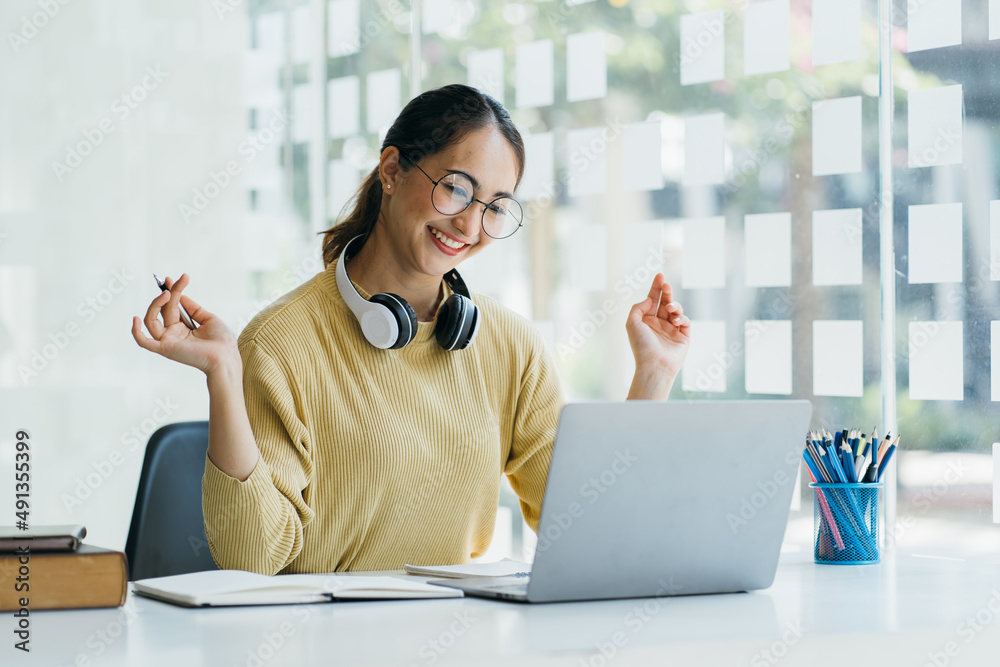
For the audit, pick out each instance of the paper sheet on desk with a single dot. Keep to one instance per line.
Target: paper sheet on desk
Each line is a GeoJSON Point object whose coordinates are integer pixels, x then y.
{"type": "Point", "coordinates": [501, 568]}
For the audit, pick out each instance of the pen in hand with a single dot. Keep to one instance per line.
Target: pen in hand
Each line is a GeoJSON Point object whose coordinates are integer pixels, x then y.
{"type": "Point", "coordinates": [185, 318]}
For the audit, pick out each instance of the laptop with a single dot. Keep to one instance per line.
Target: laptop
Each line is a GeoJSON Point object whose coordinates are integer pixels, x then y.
{"type": "Point", "coordinates": [655, 498]}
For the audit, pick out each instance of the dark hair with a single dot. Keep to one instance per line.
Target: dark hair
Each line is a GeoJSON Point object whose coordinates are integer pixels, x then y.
{"type": "Point", "coordinates": [429, 123]}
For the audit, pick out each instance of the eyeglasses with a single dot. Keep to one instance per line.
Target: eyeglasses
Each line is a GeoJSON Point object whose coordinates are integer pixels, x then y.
{"type": "Point", "coordinates": [452, 194]}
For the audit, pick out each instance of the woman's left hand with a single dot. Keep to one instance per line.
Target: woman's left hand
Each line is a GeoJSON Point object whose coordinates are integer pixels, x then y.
{"type": "Point", "coordinates": [659, 337]}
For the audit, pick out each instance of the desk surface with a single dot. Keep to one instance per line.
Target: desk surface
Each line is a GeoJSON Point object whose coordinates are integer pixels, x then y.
{"type": "Point", "coordinates": [908, 610]}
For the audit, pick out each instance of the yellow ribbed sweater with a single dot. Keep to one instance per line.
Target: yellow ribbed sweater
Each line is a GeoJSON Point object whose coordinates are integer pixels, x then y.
{"type": "Point", "coordinates": [374, 458]}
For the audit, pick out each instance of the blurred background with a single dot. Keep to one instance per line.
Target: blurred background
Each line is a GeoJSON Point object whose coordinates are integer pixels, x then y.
{"type": "Point", "coordinates": [732, 145]}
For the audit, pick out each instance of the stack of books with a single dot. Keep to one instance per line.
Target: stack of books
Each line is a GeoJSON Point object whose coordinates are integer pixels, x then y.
{"type": "Point", "coordinates": [49, 567]}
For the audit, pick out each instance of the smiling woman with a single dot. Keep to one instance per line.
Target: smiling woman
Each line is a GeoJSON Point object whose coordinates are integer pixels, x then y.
{"type": "Point", "coordinates": [431, 223]}
{"type": "Point", "coordinates": [471, 155]}
{"type": "Point", "coordinates": [351, 430]}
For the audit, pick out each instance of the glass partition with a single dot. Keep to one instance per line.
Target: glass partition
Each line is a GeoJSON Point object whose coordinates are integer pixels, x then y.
{"type": "Point", "coordinates": [732, 145]}
{"type": "Point", "coordinates": [946, 212]}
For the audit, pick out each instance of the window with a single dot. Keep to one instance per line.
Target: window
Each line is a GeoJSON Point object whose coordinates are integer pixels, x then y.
{"type": "Point", "coordinates": [734, 145]}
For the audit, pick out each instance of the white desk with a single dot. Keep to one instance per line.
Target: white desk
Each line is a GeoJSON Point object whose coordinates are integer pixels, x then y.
{"type": "Point", "coordinates": [895, 613]}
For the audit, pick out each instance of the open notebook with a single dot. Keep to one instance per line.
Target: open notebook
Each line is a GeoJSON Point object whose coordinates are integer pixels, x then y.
{"type": "Point", "coordinates": [221, 588]}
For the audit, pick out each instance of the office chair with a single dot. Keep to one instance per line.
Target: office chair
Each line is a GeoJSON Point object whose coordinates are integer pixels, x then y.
{"type": "Point", "coordinates": [167, 535]}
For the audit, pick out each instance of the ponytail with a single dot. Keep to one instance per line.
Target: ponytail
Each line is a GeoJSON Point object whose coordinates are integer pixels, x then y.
{"type": "Point", "coordinates": [359, 222]}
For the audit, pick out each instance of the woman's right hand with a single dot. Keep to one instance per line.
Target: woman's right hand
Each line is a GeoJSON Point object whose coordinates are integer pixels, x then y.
{"type": "Point", "coordinates": [210, 347]}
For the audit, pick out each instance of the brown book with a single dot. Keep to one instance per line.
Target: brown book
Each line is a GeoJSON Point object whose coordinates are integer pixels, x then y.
{"type": "Point", "coordinates": [86, 577]}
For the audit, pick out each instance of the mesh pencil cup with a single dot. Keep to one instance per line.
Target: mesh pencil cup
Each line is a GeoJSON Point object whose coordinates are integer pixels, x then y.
{"type": "Point", "coordinates": [845, 523]}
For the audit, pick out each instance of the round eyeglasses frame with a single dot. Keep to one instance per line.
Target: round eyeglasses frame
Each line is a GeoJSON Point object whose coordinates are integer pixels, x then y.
{"type": "Point", "coordinates": [482, 217]}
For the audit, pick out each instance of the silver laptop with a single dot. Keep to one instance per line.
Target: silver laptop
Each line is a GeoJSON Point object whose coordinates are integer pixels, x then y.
{"type": "Point", "coordinates": [654, 498]}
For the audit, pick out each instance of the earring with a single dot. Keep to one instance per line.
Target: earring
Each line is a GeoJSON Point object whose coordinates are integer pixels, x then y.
{"type": "Point", "coordinates": [388, 187]}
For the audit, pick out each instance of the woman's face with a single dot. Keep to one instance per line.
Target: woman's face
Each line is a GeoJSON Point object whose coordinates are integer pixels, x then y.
{"type": "Point", "coordinates": [413, 222]}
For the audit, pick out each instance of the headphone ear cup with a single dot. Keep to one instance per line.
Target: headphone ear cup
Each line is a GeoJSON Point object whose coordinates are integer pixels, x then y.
{"type": "Point", "coordinates": [406, 318]}
{"type": "Point", "coordinates": [469, 333]}
{"type": "Point", "coordinates": [449, 322]}
{"type": "Point", "coordinates": [458, 322]}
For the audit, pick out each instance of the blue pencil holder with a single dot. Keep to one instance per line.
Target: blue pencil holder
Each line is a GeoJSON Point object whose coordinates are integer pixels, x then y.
{"type": "Point", "coordinates": [845, 523]}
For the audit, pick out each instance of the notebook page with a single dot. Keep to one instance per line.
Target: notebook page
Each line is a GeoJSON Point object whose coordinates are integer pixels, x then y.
{"type": "Point", "coordinates": [226, 587]}
{"type": "Point", "coordinates": [352, 585]}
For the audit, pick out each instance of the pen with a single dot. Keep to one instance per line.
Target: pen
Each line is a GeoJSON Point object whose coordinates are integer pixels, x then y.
{"type": "Point", "coordinates": [185, 318]}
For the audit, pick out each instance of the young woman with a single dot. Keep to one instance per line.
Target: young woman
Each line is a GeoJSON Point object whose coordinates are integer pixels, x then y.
{"type": "Point", "coordinates": [363, 420]}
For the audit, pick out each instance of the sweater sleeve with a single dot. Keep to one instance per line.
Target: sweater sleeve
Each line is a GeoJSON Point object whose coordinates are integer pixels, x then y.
{"type": "Point", "coordinates": [536, 416]}
{"type": "Point", "coordinates": [257, 524]}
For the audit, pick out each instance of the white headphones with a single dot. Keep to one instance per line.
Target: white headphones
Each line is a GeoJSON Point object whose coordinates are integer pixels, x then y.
{"type": "Point", "coordinates": [389, 322]}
